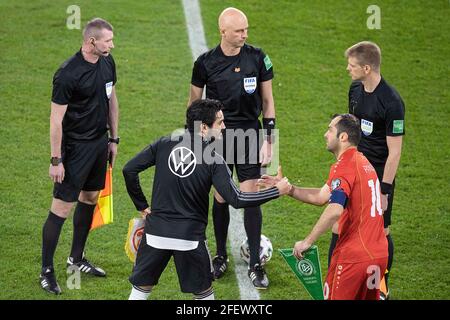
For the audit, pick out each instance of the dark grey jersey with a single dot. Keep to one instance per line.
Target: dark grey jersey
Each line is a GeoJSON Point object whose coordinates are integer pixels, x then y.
{"type": "Point", "coordinates": [184, 174]}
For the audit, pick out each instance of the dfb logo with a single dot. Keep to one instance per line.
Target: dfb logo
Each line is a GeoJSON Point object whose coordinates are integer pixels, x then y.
{"type": "Point", "coordinates": [182, 162]}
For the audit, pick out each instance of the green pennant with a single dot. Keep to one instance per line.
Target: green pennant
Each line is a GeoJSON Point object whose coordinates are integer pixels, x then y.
{"type": "Point", "coordinates": [307, 270]}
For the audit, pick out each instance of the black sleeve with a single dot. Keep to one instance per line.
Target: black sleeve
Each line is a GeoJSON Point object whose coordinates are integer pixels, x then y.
{"type": "Point", "coordinates": [199, 75]}
{"type": "Point", "coordinates": [265, 68]}
{"type": "Point", "coordinates": [62, 88]}
{"type": "Point", "coordinates": [143, 160]}
{"type": "Point", "coordinates": [226, 187]}
{"type": "Point", "coordinates": [395, 117]}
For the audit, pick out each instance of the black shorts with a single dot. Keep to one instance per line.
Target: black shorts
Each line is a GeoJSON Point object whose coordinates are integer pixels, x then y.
{"type": "Point", "coordinates": [388, 213]}
{"type": "Point", "coordinates": [242, 151]}
{"type": "Point", "coordinates": [194, 267]}
{"type": "Point", "coordinates": [85, 165]}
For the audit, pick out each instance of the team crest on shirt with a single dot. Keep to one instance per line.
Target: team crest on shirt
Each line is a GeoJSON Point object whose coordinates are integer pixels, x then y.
{"type": "Point", "coordinates": [108, 88]}
{"type": "Point", "coordinates": [335, 183]}
{"type": "Point", "coordinates": [182, 162]}
{"type": "Point", "coordinates": [250, 85]}
{"type": "Point", "coordinates": [366, 127]}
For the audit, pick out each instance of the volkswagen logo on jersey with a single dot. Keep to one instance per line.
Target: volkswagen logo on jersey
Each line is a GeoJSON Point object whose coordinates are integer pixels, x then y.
{"type": "Point", "coordinates": [250, 85]}
{"type": "Point", "coordinates": [182, 162]}
{"type": "Point", "coordinates": [366, 127]}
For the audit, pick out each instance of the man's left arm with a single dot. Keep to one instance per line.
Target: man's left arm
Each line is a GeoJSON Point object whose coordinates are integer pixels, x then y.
{"type": "Point", "coordinates": [329, 216]}
{"type": "Point", "coordinates": [394, 144]}
{"type": "Point", "coordinates": [268, 111]}
{"type": "Point", "coordinates": [113, 125]}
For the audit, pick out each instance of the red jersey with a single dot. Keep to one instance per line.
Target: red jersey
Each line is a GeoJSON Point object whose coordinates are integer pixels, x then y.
{"type": "Point", "coordinates": [361, 229]}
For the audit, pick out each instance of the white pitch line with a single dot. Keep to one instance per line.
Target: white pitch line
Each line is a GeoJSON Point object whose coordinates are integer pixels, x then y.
{"type": "Point", "coordinates": [197, 42]}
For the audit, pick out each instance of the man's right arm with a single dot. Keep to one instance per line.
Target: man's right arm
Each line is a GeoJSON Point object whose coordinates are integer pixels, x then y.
{"type": "Point", "coordinates": [315, 196]}
{"type": "Point", "coordinates": [196, 93]}
{"type": "Point", "coordinates": [226, 187]}
{"type": "Point", "coordinates": [142, 161]}
{"type": "Point", "coordinates": [58, 111]}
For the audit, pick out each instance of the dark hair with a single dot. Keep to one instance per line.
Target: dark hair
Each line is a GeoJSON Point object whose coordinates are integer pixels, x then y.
{"type": "Point", "coordinates": [94, 27]}
{"type": "Point", "coordinates": [204, 111]}
{"type": "Point", "coordinates": [349, 124]}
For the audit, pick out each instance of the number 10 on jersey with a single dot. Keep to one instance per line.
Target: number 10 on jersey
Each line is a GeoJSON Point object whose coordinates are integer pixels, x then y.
{"type": "Point", "coordinates": [376, 198]}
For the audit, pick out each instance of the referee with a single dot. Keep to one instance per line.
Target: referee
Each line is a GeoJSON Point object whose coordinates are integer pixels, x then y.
{"type": "Point", "coordinates": [84, 106]}
{"type": "Point", "coordinates": [186, 166]}
{"type": "Point", "coordinates": [240, 76]}
{"type": "Point", "coordinates": [381, 112]}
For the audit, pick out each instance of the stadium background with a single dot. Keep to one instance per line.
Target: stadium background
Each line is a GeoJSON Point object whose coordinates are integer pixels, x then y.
{"type": "Point", "coordinates": [306, 41]}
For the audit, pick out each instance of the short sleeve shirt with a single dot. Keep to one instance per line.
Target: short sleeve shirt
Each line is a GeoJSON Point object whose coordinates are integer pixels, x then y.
{"type": "Point", "coordinates": [86, 89]}
{"type": "Point", "coordinates": [361, 228]}
{"type": "Point", "coordinates": [234, 80]}
{"type": "Point", "coordinates": [382, 114]}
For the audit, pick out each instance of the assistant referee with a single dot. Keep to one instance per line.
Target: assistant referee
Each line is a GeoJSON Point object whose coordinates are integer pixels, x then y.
{"type": "Point", "coordinates": [84, 107]}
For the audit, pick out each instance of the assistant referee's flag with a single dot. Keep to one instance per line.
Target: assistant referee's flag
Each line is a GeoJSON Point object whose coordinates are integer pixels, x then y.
{"type": "Point", "coordinates": [307, 270]}
{"type": "Point", "coordinates": [103, 213]}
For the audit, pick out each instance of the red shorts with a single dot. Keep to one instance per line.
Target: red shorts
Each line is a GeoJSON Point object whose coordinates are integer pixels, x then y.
{"type": "Point", "coordinates": [354, 281]}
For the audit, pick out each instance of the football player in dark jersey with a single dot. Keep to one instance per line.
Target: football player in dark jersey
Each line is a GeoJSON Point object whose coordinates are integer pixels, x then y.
{"type": "Point", "coordinates": [186, 167]}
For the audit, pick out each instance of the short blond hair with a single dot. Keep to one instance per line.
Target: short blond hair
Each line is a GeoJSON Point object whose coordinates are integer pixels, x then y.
{"type": "Point", "coordinates": [94, 27]}
{"type": "Point", "coordinates": [367, 53]}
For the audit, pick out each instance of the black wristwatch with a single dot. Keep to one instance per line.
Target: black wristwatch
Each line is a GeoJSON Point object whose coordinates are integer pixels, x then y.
{"type": "Point", "coordinates": [116, 141]}
{"type": "Point", "coordinates": [55, 161]}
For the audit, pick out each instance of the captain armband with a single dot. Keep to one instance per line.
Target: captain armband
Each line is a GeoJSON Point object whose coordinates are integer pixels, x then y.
{"type": "Point", "coordinates": [338, 196]}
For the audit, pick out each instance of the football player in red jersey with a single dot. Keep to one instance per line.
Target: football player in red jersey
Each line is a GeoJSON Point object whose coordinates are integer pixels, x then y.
{"type": "Point", "coordinates": [353, 196]}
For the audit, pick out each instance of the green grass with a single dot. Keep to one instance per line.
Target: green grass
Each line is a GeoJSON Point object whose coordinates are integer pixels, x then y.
{"type": "Point", "coordinates": [306, 41]}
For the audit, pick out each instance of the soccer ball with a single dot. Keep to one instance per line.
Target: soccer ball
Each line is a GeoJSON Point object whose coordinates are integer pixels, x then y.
{"type": "Point", "coordinates": [265, 250]}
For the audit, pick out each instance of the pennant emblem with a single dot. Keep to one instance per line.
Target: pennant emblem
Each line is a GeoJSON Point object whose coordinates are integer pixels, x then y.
{"type": "Point", "coordinates": [307, 270]}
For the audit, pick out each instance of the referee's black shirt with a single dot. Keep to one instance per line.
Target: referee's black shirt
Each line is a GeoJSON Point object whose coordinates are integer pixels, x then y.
{"type": "Point", "coordinates": [381, 113]}
{"type": "Point", "coordinates": [181, 186]}
{"type": "Point", "coordinates": [86, 88]}
{"type": "Point", "coordinates": [234, 80]}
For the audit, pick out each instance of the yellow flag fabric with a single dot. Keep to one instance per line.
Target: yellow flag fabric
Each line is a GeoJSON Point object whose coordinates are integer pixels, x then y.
{"type": "Point", "coordinates": [134, 236]}
{"type": "Point", "coordinates": [104, 213]}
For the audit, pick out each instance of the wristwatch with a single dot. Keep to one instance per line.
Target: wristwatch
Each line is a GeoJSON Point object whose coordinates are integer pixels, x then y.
{"type": "Point", "coordinates": [116, 141]}
{"type": "Point", "coordinates": [55, 161]}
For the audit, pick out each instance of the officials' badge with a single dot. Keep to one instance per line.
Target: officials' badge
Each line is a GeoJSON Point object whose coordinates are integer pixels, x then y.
{"type": "Point", "coordinates": [335, 183]}
{"type": "Point", "coordinates": [366, 127]}
{"type": "Point", "coordinates": [250, 85]}
{"type": "Point", "coordinates": [108, 88]}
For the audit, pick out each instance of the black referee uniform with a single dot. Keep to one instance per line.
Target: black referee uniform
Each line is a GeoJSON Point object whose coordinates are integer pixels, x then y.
{"type": "Point", "coordinates": [179, 209]}
{"type": "Point", "coordinates": [382, 114]}
{"type": "Point", "coordinates": [235, 81]}
{"type": "Point", "coordinates": [86, 88]}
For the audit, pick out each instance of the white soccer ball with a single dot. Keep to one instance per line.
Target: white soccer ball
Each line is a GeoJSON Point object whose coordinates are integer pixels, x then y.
{"type": "Point", "coordinates": [265, 250]}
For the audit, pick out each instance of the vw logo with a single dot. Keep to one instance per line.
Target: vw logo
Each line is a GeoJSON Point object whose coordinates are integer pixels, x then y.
{"type": "Point", "coordinates": [182, 162]}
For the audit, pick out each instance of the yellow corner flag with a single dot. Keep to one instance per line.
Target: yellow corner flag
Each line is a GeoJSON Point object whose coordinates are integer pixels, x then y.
{"type": "Point", "coordinates": [103, 213]}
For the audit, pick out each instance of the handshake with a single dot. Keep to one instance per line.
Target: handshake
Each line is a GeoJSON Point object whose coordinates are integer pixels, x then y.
{"type": "Point", "coordinates": [278, 181]}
